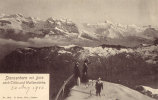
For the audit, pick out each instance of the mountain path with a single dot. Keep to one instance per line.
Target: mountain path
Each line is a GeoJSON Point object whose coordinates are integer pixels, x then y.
{"type": "Point", "coordinates": [111, 91]}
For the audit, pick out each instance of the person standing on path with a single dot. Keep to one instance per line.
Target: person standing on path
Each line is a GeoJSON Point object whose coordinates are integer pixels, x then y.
{"type": "Point", "coordinates": [98, 86]}
{"type": "Point", "coordinates": [85, 72]}
{"type": "Point", "coordinates": [77, 74]}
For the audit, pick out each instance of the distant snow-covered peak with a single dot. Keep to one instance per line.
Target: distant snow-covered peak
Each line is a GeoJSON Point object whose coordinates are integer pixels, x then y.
{"type": "Point", "coordinates": [69, 46]}
{"type": "Point", "coordinates": [13, 16]}
{"type": "Point", "coordinates": [107, 21]}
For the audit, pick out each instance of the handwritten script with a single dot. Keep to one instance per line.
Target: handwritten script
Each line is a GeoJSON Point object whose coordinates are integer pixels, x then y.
{"type": "Point", "coordinates": [24, 86]}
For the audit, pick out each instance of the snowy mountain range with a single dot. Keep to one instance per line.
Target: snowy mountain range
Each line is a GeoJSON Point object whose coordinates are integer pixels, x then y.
{"type": "Point", "coordinates": [20, 28]}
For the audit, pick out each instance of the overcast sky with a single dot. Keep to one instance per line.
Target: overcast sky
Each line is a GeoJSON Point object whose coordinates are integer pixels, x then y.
{"type": "Point", "coordinates": [140, 12]}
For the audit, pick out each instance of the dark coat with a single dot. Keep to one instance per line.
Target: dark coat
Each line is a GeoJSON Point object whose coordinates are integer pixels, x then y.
{"type": "Point", "coordinates": [85, 68]}
{"type": "Point", "coordinates": [76, 71]}
{"type": "Point", "coordinates": [99, 86]}
{"type": "Point", "coordinates": [85, 73]}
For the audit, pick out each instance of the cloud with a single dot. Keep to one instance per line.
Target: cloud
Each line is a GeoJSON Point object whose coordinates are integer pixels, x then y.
{"type": "Point", "coordinates": [49, 41]}
{"type": "Point", "coordinates": [12, 42]}
{"type": "Point", "coordinates": [8, 45]}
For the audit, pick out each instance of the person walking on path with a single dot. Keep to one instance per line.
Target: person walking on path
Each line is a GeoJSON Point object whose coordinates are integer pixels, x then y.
{"type": "Point", "coordinates": [77, 74]}
{"type": "Point", "coordinates": [98, 86]}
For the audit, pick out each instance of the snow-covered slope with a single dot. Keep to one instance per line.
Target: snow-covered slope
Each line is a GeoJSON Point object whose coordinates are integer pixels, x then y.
{"type": "Point", "coordinates": [114, 33]}
{"type": "Point", "coordinates": [114, 30]}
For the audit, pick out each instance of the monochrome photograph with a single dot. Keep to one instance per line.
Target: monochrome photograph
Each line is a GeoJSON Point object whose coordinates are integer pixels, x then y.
{"type": "Point", "coordinates": [78, 49]}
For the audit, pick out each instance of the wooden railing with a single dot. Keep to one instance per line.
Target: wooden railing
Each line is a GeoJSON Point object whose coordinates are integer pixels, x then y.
{"type": "Point", "coordinates": [63, 88]}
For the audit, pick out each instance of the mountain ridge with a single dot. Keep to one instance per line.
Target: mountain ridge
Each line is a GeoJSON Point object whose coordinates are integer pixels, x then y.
{"type": "Point", "coordinates": [21, 28]}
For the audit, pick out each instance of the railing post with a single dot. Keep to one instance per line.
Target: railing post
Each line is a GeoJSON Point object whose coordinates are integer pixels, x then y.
{"type": "Point", "coordinates": [90, 92]}
{"type": "Point", "coordinates": [63, 89]}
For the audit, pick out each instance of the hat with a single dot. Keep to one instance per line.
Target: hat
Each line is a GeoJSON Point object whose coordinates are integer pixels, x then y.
{"type": "Point", "coordinates": [86, 61]}
{"type": "Point", "coordinates": [77, 63]}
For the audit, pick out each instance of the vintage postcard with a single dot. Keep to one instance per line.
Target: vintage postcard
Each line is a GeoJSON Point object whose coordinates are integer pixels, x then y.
{"type": "Point", "coordinates": [78, 49]}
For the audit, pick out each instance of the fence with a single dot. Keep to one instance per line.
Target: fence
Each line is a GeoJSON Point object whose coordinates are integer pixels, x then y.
{"type": "Point", "coordinates": [61, 91]}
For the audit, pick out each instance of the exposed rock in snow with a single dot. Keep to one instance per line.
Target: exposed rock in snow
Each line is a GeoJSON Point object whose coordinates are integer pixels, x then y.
{"type": "Point", "coordinates": [153, 91]}
{"type": "Point", "coordinates": [148, 91]}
